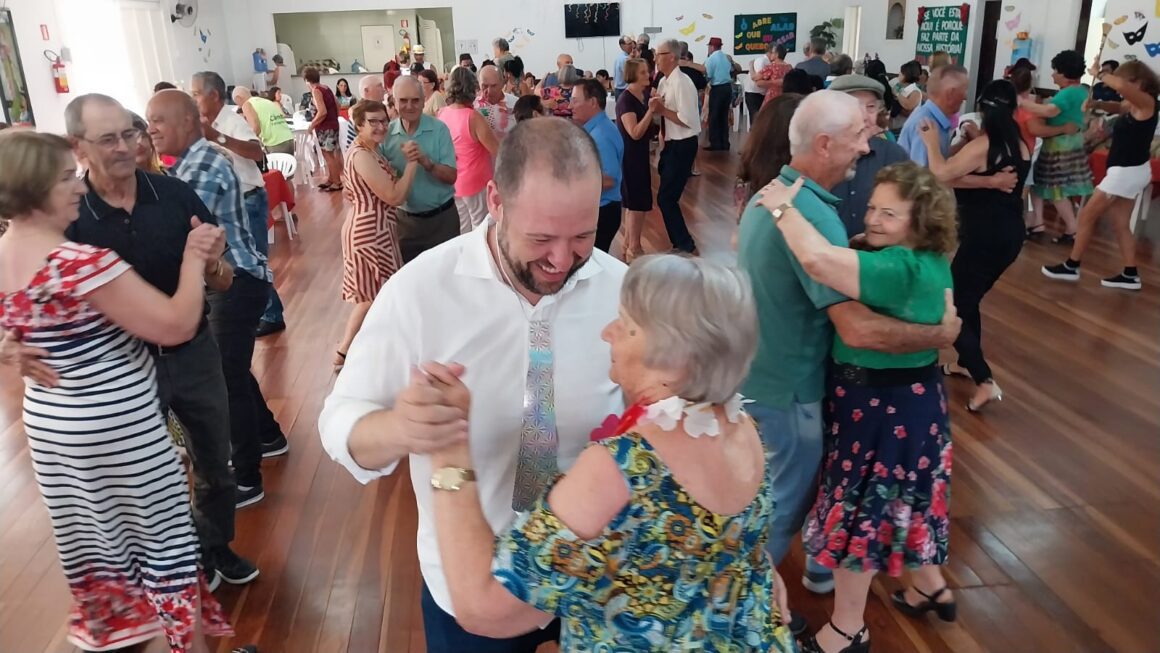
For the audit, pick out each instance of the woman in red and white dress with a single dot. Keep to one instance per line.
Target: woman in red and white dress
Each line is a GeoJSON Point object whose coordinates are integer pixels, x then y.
{"type": "Point", "coordinates": [370, 239]}
{"type": "Point", "coordinates": [116, 492]}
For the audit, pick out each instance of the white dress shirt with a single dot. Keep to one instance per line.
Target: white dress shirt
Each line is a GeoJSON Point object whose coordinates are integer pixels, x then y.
{"type": "Point", "coordinates": [233, 125]}
{"type": "Point", "coordinates": [681, 96]}
{"type": "Point", "coordinates": [749, 85]}
{"type": "Point", "coordinates": [450, 305]}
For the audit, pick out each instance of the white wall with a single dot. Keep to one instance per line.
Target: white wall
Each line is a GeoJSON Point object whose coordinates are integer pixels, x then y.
{"type": "Point", "coordinates": [1051, 24]}
{"type": "Point", "coordinates": [91, 30]}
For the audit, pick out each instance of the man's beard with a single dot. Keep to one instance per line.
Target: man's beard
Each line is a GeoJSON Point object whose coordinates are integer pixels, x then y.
{"type": "Point", "coordinates": [523, 271]}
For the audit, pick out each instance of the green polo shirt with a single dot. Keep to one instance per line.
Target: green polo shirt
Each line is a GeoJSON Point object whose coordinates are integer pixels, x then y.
{"type": "Point", "coordinates": [434, 139]}
{"type": "Point", "coordinates": [795, 332]}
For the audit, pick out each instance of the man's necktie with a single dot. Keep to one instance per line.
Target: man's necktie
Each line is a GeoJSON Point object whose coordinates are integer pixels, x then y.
{"type": "Point", "coordinates": [536, 465]}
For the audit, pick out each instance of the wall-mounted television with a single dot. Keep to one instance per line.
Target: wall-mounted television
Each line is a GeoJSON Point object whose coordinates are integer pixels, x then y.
{"type": "Point", "coordinates": [592, 19]}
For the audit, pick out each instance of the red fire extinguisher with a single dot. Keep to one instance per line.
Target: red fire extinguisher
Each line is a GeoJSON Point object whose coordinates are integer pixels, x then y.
{"type": "Point", "coordinates": [59, 72]}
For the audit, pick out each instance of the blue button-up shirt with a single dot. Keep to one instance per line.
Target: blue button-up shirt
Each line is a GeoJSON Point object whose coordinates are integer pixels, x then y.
{"type": "Point", "coordinates": [618, 82]}
{"type": "Point", "coordinates": [717, 69]}
{"type": "Point", "coordinates": [434, 138]}
{"type": "Point", "coordinates": [211, 175]}
{"type": "Point", "coordinates": [611, 148]}
{"type": "Point", "coordinates": [911, 141]}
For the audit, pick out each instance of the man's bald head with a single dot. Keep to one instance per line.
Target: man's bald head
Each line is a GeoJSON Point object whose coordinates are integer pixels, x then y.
{"type": "Point", "coordinates": [174, 121]}
{"type": "Point", "coordinates": [242, 95]}
{"type": "Point", "coordinates": [564, 59]}
{"type": "Point", "coordinates": [371, 87]}
{"type": "Point", "coordinates": [408, 94]}
{"type": "Point", "coordinates": [491, 84]}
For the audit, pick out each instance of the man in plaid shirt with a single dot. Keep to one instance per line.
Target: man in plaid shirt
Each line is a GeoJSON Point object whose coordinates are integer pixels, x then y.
{"type": "Point", "coordinates": [175, 125]}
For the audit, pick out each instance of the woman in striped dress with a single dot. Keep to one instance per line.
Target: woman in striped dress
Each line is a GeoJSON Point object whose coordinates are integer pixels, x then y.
{"type": "Point", "coordinates": [370, 242]}
{"type": "Point", "coordinates": [116, 493]}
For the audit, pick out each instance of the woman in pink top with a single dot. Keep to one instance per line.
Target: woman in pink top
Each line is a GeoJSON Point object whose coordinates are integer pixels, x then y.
{"type": "Point", "coordinates": [475, 145]}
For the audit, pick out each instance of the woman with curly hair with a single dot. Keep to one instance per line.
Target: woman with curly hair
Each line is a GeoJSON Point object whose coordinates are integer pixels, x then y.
{"type": "Point", "coordinates": [882, 503]}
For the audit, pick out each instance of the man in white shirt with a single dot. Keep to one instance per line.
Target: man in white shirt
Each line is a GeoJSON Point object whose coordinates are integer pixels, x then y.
{"type": "Point", "coordinates": [223, 126]}
{"type": "Point", "coordinates": [676, 101]}
{"type": "Point", "coordinates": [754, 94]}
{"type": "Point", "coordinates": [521, 304]}
{"type": "Point", "coordinates": [493, 103]}
{"type": "Point", "coordinates": [418, 58]}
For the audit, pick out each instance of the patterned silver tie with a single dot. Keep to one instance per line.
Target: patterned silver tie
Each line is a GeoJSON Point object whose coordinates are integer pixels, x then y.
{"type": "Point", "coordinates": [536, 465]}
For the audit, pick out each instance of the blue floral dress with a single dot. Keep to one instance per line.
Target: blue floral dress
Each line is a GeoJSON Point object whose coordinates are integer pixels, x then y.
{"type": "Point", "coordinates": [665, 575]}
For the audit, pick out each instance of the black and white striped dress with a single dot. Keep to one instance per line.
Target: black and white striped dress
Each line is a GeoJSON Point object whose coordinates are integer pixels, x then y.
{"type": "Point", "coordinates": [116, 493]}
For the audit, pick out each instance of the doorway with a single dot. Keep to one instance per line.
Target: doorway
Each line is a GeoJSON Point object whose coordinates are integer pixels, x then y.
{"type": "Point", "coordinates": [988, 45]}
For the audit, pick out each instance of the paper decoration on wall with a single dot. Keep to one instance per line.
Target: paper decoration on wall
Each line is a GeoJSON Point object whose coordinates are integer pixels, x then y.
{"type": "Point", "coordinates": [1132, 38]}
{"type": "Point", "coordinates": [1121, 20]}
{"type": "Point", "coordinates": [679, 18]}
{"type": "Point", "coordinates": [688, 29]}
{"type": "Point", "coordinates": [1010, 8]}
{"type": "Point", "coordinates": [699, 39]}
{"type": "Point", "coordinates": [1158, 7]}
{"type": "Point", "coordinates": [1140, 16]}
{"type": "Point", "coordinates": [203, 36]}
{"type": "Point", "coordinates": [519, 37]}
{"type": "Point", "coordinates": [1129, 57]}
{"type": "Point", "coordinates": [1014, 22]}
{"type": "Point", "coordinates": [707, 16]}
{"type": "Point", "coordinates": [1152, 49]}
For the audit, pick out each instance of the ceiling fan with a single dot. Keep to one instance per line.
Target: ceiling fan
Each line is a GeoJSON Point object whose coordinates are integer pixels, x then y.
{"type": "Point", "coordinates": [184, 12]}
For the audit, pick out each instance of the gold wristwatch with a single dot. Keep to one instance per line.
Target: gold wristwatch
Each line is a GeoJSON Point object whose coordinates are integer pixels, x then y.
{"type": "Point", "coordinates": [780, 210]}
{"type": "Point", "coordinates": [451, 479]}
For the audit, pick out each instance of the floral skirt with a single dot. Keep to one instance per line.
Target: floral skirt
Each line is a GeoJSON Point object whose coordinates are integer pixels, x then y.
{"type": "Point", "coordinates": [1062, 169]}
{"type": "Point", "coordinates": [885, 485]}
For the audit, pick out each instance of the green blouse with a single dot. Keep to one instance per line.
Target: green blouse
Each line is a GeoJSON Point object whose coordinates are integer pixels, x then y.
{"type": "Point", "coordinates": [907, 285]}
{"type": "Point", "coordinates": [1070, 102]}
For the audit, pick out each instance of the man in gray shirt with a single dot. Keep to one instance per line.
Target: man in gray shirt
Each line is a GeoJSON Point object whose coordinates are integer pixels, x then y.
{"type": "Point", "coordinates": [815, 64]}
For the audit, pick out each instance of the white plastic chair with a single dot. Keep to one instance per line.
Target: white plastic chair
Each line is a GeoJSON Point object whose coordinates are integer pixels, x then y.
{"type": "Point", "coordinates": [284, 163]}
{"type": "Point", "coordinates": [346, 134]}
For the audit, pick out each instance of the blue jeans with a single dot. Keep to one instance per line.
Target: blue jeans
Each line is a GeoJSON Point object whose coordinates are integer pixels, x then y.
{"type": "Point", "coordinates": [257, 214]}
{"type": "Point", "coordinates": [274, 308]}
{"type": "Point", "coordinates": [445, 635]}
{"type": "Point", "coordinates": [793, 443]}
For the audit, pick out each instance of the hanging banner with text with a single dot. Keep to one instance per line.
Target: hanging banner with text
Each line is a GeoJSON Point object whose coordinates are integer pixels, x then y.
{"type": "Point", "coordinates": [752, 33]}
{"type": "Point", "coordinates": [942, 29]}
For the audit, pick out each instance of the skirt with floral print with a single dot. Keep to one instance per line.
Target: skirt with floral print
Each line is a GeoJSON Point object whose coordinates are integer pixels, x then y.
{"type": "Point", "coordinates": [885, 482]}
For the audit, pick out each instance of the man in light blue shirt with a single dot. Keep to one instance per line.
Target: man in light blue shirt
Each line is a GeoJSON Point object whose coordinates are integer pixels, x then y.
{"type": "Point", "coordinates": [627, 44]}
{"type": "Point", "coordinates": [946, 90]}
{"type": "Point", "coordinates": [428, 217]}
{"type": "Point", "coordinates": [718, 69]}
{"type": "Point", "coordinates": [588, 103]}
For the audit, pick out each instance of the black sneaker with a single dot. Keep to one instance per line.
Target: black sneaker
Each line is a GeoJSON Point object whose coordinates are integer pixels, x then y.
{"type": "Point", "coordinates": [276, 447]}
{"type": "Point", "coordinates": [248, 648]}
{"type": "Point", "coordinates": [817, 582]}
{"type": "Point", "coordinates": [233, 568]}
{"type": "Point", "coordinates": [267, 328]}
{"type": "Point", "coordinates": [1060, 272]}
{"type": "Point", "coordinates": [1064, 239]}
{"type": "Point", "coordinates": [798, 625]}
{"type": "Point", "coordinates": [1121, 281]}
{"type": "Point", "coordinates": [211, 576]}
{"type": "Point", "coordinates": [249, 495]}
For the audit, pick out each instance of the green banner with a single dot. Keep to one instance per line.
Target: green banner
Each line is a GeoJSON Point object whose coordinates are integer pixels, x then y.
{"type": "Point", "coordinates": [942, 29]}
{"type": "Point", "coordinates": [752, 33]}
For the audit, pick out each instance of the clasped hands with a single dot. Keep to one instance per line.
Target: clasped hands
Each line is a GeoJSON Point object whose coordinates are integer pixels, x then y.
{"type": "Point", "coordinates": [433, 412]}
{"type": "Point", "coordinates": [414, 153]}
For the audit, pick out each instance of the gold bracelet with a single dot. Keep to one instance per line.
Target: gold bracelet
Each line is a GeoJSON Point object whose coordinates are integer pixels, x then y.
{"type": "Point", "coordinates": [218, 269]}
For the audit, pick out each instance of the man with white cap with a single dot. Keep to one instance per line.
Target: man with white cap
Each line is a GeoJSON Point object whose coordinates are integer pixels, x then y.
{"type": "Point", "coordinates": [419, 58]}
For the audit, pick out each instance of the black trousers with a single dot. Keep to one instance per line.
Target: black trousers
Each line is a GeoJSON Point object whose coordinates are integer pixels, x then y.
{"type": "Point", "coordinates": [989, 244]}
{"type": "Point", "coordinates": [720, 101]}
{"type": "Point", "coordinates": [675, 166]}
{"type": "Point", "coordinates": [445, 635]}
{"type": "Point", "coordinates": [753, 102]}
{"type": "Point", "coordinates": [233, 317]}
{"type": "Point", "coordinates": [607, 225]}
{"type": "Point", "coordinates": [191, 383]}
{"type": "Point", "coordinates": [417, 235]}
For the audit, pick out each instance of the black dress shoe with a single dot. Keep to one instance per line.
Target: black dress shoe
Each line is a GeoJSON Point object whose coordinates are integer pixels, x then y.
{"type": "Point", "coordinates": [233, 568]}
{"type": "Point", "coordinates": [945, 611]}
{"type": "Point", "coordinates": [266, 328]}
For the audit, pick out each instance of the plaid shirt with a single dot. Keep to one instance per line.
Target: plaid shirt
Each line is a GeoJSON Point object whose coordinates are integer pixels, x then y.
{"type": "Point", "coordinates": [211, 174]}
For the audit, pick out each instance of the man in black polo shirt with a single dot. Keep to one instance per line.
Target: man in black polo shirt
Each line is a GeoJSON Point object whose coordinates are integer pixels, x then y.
{"type": "Point", "coordinates": [145, 219]}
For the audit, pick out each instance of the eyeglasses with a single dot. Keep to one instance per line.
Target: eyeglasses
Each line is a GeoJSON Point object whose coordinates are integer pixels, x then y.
{"type": "Point", "coordinates": [110, 141]}
{"type": "Point", "coordinates": [376, 122]}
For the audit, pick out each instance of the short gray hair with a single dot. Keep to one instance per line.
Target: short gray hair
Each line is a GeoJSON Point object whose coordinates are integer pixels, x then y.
{"type": "Point", "coordinates": [502, 44]}
{"type": "Point", "coordinates": [567, 75]}
{"type": "Point", "coordinates": [411, 79]}
{"type": "Point", "coordinates": [822, 112]}
{"type": "Point", "coordinates": [941, 77]}
{"type": "Point", "coordinates": [462, 86]}
{"type": "Point", "coordinates": [211, 81]}
{"type": "Point", "coordinates": [673, 45]}
{"type": "Point", "coordinates": [552, 144]}
{"type": "Point", "coordinates": [74, 113]}
{"type": "Point", "coordinates": [701, 321]}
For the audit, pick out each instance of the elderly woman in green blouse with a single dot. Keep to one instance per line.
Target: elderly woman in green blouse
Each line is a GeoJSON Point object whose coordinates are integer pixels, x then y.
{"type": "Point", "coordinates": [885, 483]}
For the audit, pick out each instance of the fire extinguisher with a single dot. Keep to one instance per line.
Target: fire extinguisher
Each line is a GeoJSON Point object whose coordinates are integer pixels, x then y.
{"type": "Point", "coordinates": [59, 72]}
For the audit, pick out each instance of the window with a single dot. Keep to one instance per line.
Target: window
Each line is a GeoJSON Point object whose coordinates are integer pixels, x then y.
{"type": "Point", "coordinates": [852, 32]}
{"type": "Point", "coordinates": [896, 20]}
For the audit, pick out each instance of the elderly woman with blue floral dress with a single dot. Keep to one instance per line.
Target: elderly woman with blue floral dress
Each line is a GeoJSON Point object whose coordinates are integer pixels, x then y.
{"type": "Point", "coordinates": [654, 540]}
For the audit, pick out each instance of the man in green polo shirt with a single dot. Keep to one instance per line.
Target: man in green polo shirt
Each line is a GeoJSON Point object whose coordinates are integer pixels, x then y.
{"type": "Point", "coordinates": [798, 316]}
{"type": "Point", "coordinates": [428, 217]}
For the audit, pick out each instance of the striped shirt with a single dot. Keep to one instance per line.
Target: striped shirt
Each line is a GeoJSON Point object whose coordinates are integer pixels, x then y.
{"type": "Point", "coordinates": [212, 176]}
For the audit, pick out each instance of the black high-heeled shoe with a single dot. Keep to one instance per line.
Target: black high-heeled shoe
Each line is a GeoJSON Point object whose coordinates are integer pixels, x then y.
{"type": "Point", "coordinates": [856, 645]}
{"type": "Point", "coordinates": [945, 611]}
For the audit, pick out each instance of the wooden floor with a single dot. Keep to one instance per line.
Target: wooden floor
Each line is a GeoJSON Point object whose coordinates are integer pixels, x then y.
{"type": "Point", "coordinates": [1056, 507]}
